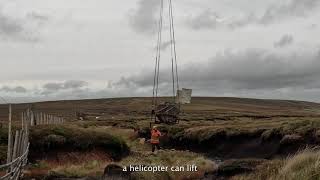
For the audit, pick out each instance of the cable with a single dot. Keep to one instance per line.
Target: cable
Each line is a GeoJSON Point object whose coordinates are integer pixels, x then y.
{"type": "Point", "coordinates": [172, 61]}
{"type": "Point", "coordinates": [174, 44]}
{"type": "Point", "coordinates": [159, 55]}
{"type": "Point", "coordinates": [156, 63]}
{"type": "Point", "coordinates": [4, 100]}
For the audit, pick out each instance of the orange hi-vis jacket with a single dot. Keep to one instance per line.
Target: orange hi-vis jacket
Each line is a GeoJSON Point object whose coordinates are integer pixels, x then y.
{"type": "Point", "coordinates": [155, 136]}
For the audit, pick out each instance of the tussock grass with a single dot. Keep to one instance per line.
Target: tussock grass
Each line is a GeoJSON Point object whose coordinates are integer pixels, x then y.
{"type": "Point", "coordinates": [130, 137]}
{"type": "Point", "coordinates": [202, 131]}
{"type": "Point", "coordinates": [90, 168]}
{"type": "Point", "coordinates": [55, 137]}
{"type": "Point", "coordinates": [70, 165]}
{"type": "Point", "coordinates": [305, 165]}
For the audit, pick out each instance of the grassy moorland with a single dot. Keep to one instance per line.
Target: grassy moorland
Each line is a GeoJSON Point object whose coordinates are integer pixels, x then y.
{"type": "Point", "coordinates": [226, 137]}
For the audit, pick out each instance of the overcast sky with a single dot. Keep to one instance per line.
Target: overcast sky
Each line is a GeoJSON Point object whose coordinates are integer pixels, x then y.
{"type": "Point", "coordinates": [75, 49]}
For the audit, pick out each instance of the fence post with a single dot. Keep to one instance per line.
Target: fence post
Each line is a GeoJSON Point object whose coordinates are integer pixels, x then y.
{"type": "Point", "coordinates": [27, 134]}
{"type": "Point", "coordinates": [36, 118]}
{"type": "Point", "coordinates": [20, 145]}
{"type": "Point", "coordinates": [41, 117]}
{"type": "Point", "coordinates": [28, 116]}
{"type": "Point", "coordinates": [32, 118]}
{"type": "Point", "coordinates": [15, 147]}
{"type": "Point", "coordinates": [47, 118]}
{"type": "Point", "coordinates": [22, 122]}
{"type": "Point", "coordinates": [9, 152]}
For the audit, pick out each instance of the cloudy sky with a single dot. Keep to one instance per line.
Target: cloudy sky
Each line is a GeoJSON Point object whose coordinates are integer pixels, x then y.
{"type": "Point", "coordinates": [95, 48]}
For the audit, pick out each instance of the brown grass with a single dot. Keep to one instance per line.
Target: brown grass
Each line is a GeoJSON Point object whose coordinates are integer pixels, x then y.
{"type": "Point", "coordinates": [72, 164]}
{"type": "Point", "coordinates": [305, 165]}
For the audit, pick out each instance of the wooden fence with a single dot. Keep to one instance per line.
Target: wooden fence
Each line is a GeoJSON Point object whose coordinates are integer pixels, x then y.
{"type": "Point", "coordinates": [18, 150]}
{"type": "Point", "coordinates": [39, 118]}
{"type": "Point", "coordinates": [18, 145]}
{"type": "Point", "coordinates": [15, 167]}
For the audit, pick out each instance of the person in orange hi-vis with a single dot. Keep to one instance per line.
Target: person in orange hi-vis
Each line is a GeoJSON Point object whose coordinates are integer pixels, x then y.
{"type": "Point", "coordinates": [155, 138]}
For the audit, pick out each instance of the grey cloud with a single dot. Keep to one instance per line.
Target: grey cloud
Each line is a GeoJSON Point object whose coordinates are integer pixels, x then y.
{"type": "Point", "coordinates": [74, 84]}
{"type": "Point", "coordinates": [124, 82]}
{"type": "Point", "coordinates": [71, 84]}
{"type": "Point", "coordinates": [53, 86]}
{"type": "Point", "coordinates": [252, 70]}
{"type": "Point", "coordinates": [313, 26]}
{"type": "Point", "coordinates": [272, 14]}
{"type": "Point", "coordinates": [12, 28]}
{"type": "Point", "coordinates": [284, 41]}
{"type": "Point", "coordinates": [109, 85]}
{"type": "Point", "coordinates": [37, 16]}
{"type": "Point", "coordinates": [292, 9]}
{"type": "Point", "coordinates": [164, 45]}
{"type": "Point", "coordinates": [206, 19]}
{"type": "Point", "coordinates": [295, 8]}
{"type": "Point", "coordinates": [251, 73]}
{"type": "Point", "coordinates": [78, 94]}
{"type": "Point", "coordinates": [143, 19]}
{"type": "Point", "coordinates": [17, 89]}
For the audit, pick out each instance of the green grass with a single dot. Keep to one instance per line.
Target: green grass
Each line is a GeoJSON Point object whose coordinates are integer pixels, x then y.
{"type": "Point", "coordinates": [54, 137]}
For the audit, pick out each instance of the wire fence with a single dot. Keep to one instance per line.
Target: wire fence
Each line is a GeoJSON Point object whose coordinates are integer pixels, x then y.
{"type": "Point", "coordinates": [14, 168]}
{"type": "Point", "coordinates": [18, 142]}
